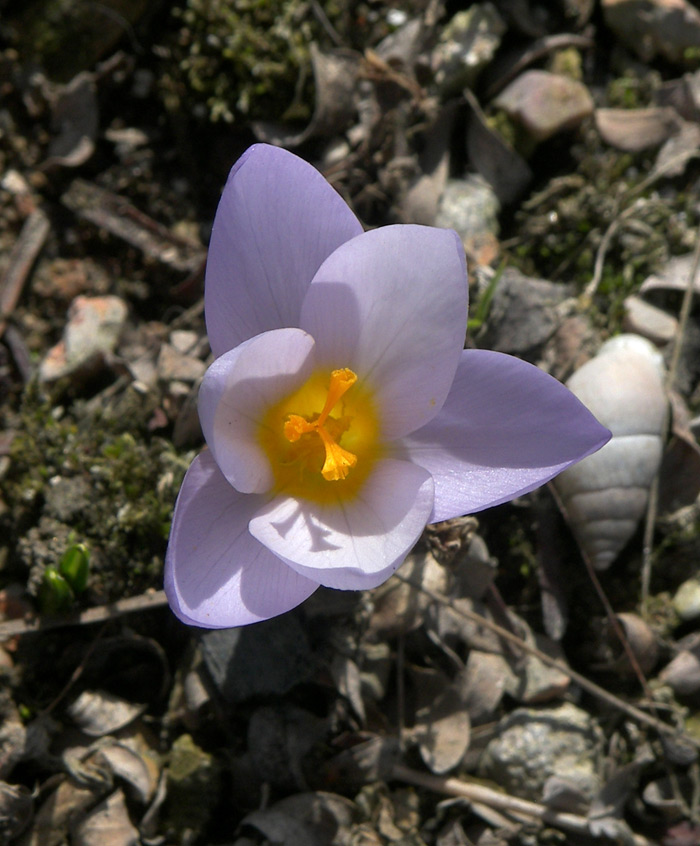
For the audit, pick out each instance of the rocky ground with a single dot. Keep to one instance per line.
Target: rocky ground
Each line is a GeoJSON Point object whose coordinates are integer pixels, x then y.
{"type": "Point", "coordinates": [517, 682]}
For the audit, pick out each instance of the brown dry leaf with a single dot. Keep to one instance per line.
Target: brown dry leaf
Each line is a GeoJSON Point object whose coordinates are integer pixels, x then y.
{"type": "Point", "coordinates": [633, 130]}
{"type": "Point", "coordinates": [442, 731]}
{"type": "Point", "coordinates": [138, 772]}
{"type": "Point", "coordinates": [16, 810]}
{"type": "Point", "coordinates": [62, 808]}
{"type": "Point", "coordinates": [108, 824]}
{"type": "Point", "coordinates": [306, 819]}
{"type": "Point", "coordinates": [484, 680]}
{"type": "Point", "coordinates": [504, 169]}
{"type": "Point", "coordinates": [400, 607]}
{"type": "Point", "coordinates": [348, 681]}
{"type": "Point", "coordinates": [99, 713]}
{"type": "Point", "coordinates": [642, 642]}
{"type": "Point", "coordinates": [678, 150]}
{"type": "Point", "coordinates": [335, 76]}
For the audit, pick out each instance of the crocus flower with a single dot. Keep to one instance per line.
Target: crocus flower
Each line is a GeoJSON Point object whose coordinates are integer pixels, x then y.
{"type": "Point", "coordinates": [341, 412]}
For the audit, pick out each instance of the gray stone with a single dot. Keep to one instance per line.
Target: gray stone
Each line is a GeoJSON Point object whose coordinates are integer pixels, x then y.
{"type": "Point", "coordinates": [470, 207]}
{"type": "Point", "coordinates": [523, 313]}
{"type": "Point", "coordinates": [266, 659]}
{"type": "Point", "coordinates": [467, 44]}
{"type": "Point", "coordinates": [545, 103]}
{"type": "Point", "coordinates": [534, 744]}
{"type": "Point", "coordinates": [174, 366]}
{"type": "Point", "coordinates": [654, 27]}
{"type": "Point", "coordinates": [647, 320]}
{"type": "Point", "coordinates": [686, 602]}
{"type": "Point", "coordinates": [94, 327]}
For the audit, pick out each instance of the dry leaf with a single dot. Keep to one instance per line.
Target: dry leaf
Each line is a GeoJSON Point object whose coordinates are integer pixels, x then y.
{"type": "Point", "coordinates": [108, 824]}
{"type": "Point", "coordinates": [484, 681]}
{"type": "Point", "coordinates": [140, 774]}
{"type": "Point", "coordinates": [637, 129]}
{"type": "Point", "coordinates": [347, 679]}
{"type": "Point", "coordinates": [506, 171]}
{"type": "Point", "coordinates": [642, 642]}
{"type": "Point", "coordinates": [98, 713]}
{"type": "Point", "coordinates": [335, 76]}
{"type": "Point", "coordinates": [400, 607]}
{"type": "Point", "coordinates": [62, 808]}
{"type": "Point", "coordinates": [442, 731]}
{"type": "Point", "coordinates": [306, 819]}
{"type": "Point", "coordinates": [16, 810]}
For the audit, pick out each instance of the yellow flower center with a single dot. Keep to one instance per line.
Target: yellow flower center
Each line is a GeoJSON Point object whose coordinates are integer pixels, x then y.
{"type": "Point", "coordinates": [321, 440]}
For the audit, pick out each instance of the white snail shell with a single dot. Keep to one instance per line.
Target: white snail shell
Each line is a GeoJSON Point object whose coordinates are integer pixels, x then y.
{"type": "Point", "coordinates": [605, 495]}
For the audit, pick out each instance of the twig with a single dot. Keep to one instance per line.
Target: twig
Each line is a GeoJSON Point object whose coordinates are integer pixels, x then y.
{"type": "Point", "coordinates": [322, 18]}
{"type": "Point", "coordinates": [592, 688]}
{"type": "Point", "coordinates": [23, 255]}
{"type": "Point", "coordinates": [144, 602]}
{"type": "Point", "coordinates": [117, 216]}
{"type": "Point", "coordinates": [501, 801]}
{"type": "Point", "coordinates": [672, 373]}
{"type": "Point", "coordinates": [655, 175]}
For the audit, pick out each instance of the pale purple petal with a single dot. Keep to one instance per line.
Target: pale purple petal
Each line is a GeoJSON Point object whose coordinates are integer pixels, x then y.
{"type": "Point", "coordinates": [216, 574]}
{"type": "Point", "coordinates": [277, 221]}
{"type": "Point", "coordinates": [237, 390]}
{"type": "Point", "coordinates": [392, 306]}
{"type": "Point", "coordinates": [506, 428]}
{"type": "Point", "coordinates": [353, 545]}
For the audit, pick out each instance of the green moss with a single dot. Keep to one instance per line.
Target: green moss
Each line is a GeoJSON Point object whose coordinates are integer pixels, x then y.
{"type": "Point", "coordinates": [68, 36]}
{"type": "Point", "coordinates": [193, 786]}
{"type": "Point", "coordinates": [247, 58]}
{"type": "Point", "coordinates": [633, 90]}
{"type": "Point", "coordinates": [101, 475]}
{"type": "Point", "coordinates": [559, 230]}
{"type": "Point", "coordinates": [512, 132]}
{"type": "Point", "coordinates": [567, 62]}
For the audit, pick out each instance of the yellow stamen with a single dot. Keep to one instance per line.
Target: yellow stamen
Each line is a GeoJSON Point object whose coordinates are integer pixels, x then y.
{"type": "Point", "coordinates": [338, 461]}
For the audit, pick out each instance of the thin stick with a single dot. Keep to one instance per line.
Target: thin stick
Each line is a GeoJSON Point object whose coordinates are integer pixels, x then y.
{"type": "Point", "coordinates": [655, 175]}
{"type": "Point", "coordinates": [653, 504]}
{"type": "Point", "coordinates": [616, 627]}
{"type": "Point", "coordinates": [29, 244]}
{"type": "Point", "coordinates": [144, 602]}
{"type": "Point", "coordinates": [501, 801]}
{"type": "Point", "coordinates": [592, 688]}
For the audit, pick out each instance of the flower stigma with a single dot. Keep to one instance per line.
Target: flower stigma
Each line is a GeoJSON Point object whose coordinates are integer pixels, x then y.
{"type": "Point", "coordinates": [323, 432]}
{"type": "Point", "coordinates": [338, 460]}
